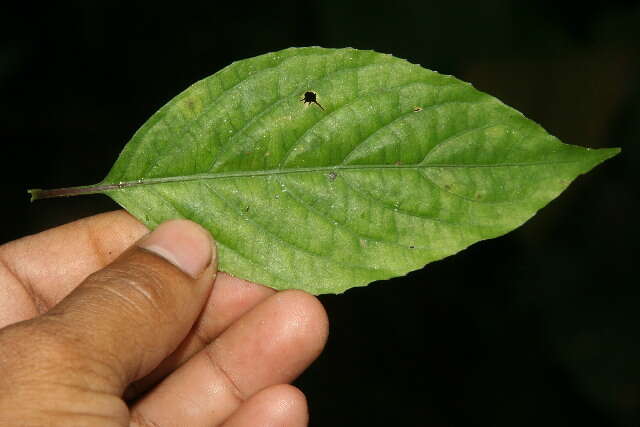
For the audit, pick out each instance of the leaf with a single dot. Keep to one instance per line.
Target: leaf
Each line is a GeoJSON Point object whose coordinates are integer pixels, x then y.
{"type": "Point", "coordinates": [393, 167]}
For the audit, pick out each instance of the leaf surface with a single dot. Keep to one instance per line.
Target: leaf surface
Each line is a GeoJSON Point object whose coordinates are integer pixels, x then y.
{"type": "Point", "coordinates": [395, 166]}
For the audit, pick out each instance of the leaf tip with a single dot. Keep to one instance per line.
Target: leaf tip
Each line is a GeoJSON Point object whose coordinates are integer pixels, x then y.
{"type": "Point", "coordinates": [607, 153]}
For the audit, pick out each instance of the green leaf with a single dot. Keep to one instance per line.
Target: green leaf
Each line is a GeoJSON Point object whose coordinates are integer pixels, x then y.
{"type": "Point", "coordinates": [394, 167]}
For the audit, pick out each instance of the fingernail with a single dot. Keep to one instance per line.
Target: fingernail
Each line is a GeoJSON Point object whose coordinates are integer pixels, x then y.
{"type": "Point", "coordinates": [183, 243]}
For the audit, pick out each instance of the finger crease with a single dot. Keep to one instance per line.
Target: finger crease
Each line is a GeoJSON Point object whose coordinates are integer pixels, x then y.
{"type": "Point", "coordinates": [130, 301]}
{"type": "Point", "coordinates": [39, 303]}
{"type": "Point", "coordinates": [96, 245]}
{"type": "Point", "coordinates": [200, 336]}
{"type": "Point", "coordinates": [138, 419]}
{"type": "Point", "coordinates": [235, 390]}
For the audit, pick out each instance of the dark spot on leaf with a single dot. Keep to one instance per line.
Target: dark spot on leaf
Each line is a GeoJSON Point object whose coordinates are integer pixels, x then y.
{"type": "Point", "coordinates": [417, 109]}
{"type": "Point", "coordinates": [411, 247]}
{"type": "Point", "coordinates": [311, 98]}
{"type": "Point", "coordinates": [332, 176]}
{"type": "Point", "coordinates": [246, 209]}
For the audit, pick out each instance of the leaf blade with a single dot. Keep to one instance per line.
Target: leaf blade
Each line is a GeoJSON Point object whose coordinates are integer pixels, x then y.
{"type": "Point", "coordinates": [403, 167]}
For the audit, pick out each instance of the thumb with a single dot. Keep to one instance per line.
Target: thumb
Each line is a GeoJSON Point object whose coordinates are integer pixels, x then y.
{"type": "Point", "coordinates": [122, 321]}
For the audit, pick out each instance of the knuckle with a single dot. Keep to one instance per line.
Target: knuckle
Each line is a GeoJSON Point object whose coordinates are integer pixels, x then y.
{"type": "Point", "coordinates": [142, 285]}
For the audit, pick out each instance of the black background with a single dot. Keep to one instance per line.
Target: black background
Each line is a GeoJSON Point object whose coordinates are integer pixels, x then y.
{"type": "Point", "coordinates": [539, 327]}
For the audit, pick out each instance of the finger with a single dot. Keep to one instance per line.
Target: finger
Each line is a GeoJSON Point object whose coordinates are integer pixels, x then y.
{"type": "Point", "coordinates": [124, 319]}
{"type": "Point", "coordinates": [271, 344]}
{"type": "Point", "coordinates": [280, 405]}
{"type": "Point", "coordinates": [230, 299]}
{"type": "Point", "coordinates": [45, 267]}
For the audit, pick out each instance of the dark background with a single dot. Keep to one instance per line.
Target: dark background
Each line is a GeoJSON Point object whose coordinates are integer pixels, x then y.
{"type": "Point", "coordinates": [539, 327]}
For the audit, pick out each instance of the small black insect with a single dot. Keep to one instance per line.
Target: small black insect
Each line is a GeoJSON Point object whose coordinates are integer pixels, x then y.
{"type": "Point", "coordinates": [310, 98]}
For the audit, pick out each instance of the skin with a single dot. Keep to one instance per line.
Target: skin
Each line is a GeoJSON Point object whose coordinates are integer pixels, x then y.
{"type": "Point", "coordinates": [102, 325]}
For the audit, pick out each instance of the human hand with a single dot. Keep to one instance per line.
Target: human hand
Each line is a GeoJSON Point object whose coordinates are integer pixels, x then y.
{"type": "Point", "coordinates": [148, 329]}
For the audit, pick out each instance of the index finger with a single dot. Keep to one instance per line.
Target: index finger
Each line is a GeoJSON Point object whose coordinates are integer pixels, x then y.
{"type": "Point", "coordinates": [52, 263]}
